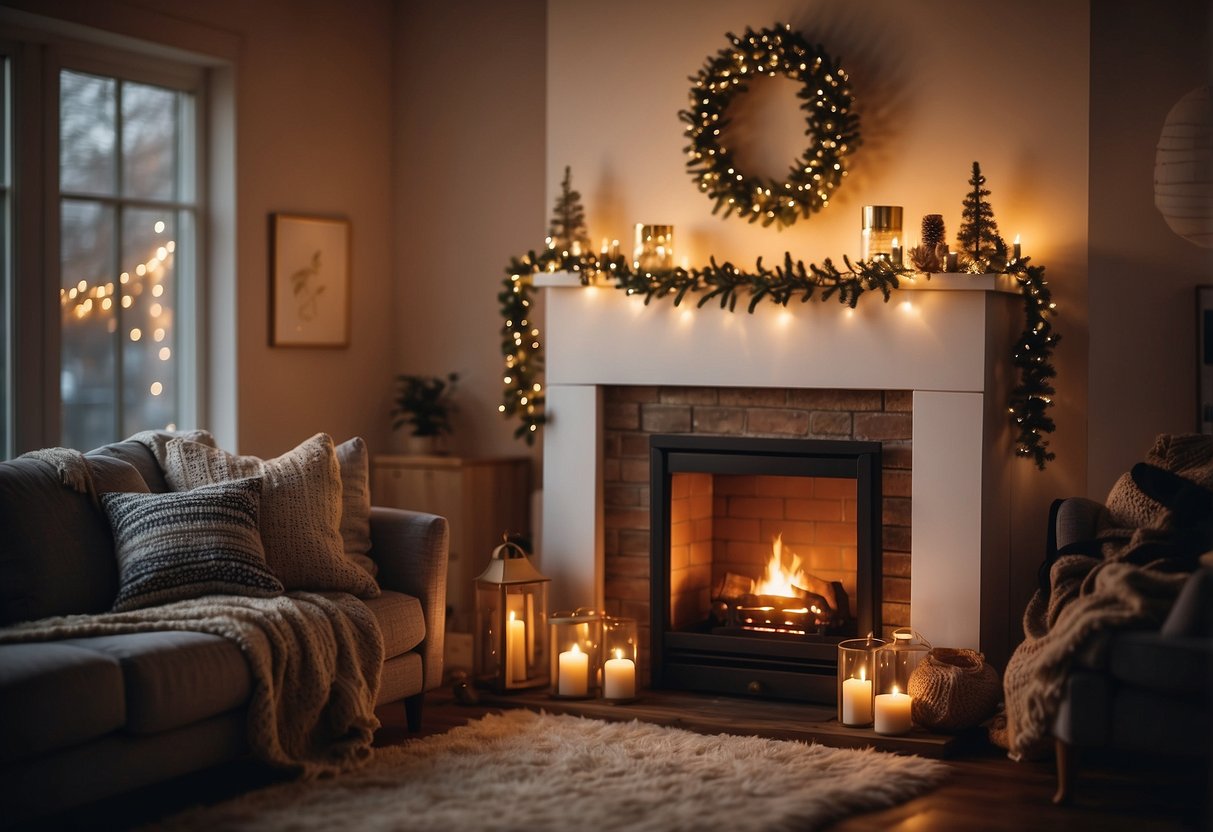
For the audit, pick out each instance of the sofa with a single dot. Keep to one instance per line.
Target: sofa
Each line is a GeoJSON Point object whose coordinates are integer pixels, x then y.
{"type": "Point", "coordinates": [1137, 692]}
{"type": "Point", "coordinates": [87, 718]}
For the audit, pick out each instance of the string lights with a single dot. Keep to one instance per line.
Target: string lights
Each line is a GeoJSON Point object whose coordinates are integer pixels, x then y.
{"type": "Point", "coordinates": [80, 302]}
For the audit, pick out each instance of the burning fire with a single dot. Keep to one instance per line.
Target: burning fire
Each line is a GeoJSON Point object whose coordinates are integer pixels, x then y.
{"type": "Point", "coordinates": [776, 580]}
{"type": "Point", "coordinates": [784, 582]}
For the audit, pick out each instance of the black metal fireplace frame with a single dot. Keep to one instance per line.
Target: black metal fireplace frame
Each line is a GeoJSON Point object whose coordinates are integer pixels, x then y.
{"type": "Point", "coordinates": [801, 669]}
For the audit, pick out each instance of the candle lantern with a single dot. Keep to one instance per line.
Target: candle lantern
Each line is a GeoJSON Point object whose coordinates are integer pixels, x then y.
{"type": "Point", "coordinates": [576, 653]}
{"type": "Point", "coordinates": [654, 249]}
{"type": "Point", "coordinates": [621, 655]}
{"type": "Point", "coordinates": [881, 224]}
{"type": "Point", "coordinates": [511, 635]}
{"type": "Point", "coordinates": [896, 661]}
{"type": "Point", "coordinates": [856, 680]}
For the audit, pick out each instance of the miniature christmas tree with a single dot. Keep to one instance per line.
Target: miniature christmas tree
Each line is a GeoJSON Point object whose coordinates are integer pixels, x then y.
{"type": "Point", "coordinates": [568, 230]}
{"type": "Point", "coordinates": [978, 238]}
{"type": "Point", "coordinates": [928, 256]}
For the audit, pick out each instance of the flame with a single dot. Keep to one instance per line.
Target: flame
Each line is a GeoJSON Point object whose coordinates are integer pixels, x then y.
{"type": "Point", "coordinates": [776, 580]}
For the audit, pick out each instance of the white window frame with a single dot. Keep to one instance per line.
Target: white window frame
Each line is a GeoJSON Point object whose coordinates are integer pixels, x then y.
{"type": "Point", "coordinates": [36, 58]}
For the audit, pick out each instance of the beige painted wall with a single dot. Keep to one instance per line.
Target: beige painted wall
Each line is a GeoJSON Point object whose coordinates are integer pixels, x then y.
{"type": "Point", "coordinates": [469, 193]}
{"type": "Point", "coordinates": [939, 84]}
{"type": "Point", "coordinates": [1143, 277]}
{"type": "Point", "coordinates": [313, 136]}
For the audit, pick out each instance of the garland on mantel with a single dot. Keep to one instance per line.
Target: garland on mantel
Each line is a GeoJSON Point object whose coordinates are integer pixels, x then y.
{"type": "Point", "coordinates": [726, 284]}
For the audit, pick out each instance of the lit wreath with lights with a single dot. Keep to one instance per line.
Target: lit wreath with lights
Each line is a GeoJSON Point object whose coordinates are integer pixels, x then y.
{"type": "Point", "coordinates": [832, 127]}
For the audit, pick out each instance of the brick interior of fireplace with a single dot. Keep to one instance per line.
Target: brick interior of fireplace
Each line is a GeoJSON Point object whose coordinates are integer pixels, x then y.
{"type": "Point", "coordinates": [633, 413]}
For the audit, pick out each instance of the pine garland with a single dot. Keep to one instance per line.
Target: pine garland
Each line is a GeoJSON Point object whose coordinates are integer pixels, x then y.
{"type": "Point", "coordinates": [1033, 359]}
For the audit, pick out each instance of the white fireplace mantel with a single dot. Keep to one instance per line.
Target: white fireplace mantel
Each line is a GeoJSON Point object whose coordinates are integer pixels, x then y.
{"type": "Point", "coordinates": [947, 340]}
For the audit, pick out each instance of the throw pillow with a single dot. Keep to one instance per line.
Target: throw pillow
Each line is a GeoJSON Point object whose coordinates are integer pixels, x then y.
{"type": "Point", "coordinates": [354, 461]}
{"type": "Point", "coordinates": [300, 509]}
{"type": "Point", "coordinates": [184, 545]}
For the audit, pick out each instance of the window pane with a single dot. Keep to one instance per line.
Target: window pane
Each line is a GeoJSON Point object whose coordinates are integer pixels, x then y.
{"type": "Point", "coordinates": [89, 298]}
{"type": "Point", "coordinates": [149, 346]}
{"type": "Point", "coordinates": [149, 141]}
{"type": "Point", "coordinates": [87, 106]}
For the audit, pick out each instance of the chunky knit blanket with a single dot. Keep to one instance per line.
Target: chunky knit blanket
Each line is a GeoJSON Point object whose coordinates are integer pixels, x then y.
{"type": "Point", "coordinates": [315, 657]}
{"type": "Point", "coordinates": [1157, 526]}
{"type": "Point", "coordinates": [315, 660]}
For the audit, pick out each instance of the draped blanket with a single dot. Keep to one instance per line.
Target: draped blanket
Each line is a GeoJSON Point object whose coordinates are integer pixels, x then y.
{"type": "Point", "coordinates": [1157, 525]}
{"type": "Point", "coordinates": [315, 659]}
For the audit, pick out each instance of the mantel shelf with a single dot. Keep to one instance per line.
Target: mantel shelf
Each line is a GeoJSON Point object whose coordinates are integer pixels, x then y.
{"type": "Point", "coordinates": [942, 282]}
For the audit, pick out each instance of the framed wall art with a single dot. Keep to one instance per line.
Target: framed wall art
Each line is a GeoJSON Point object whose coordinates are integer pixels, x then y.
{"type": "Point", "coordinates": [309, 281]}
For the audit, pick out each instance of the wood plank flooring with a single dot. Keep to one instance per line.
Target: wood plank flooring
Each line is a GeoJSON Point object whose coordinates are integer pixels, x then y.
{"type": "Point", "coordinates": [985, 791]}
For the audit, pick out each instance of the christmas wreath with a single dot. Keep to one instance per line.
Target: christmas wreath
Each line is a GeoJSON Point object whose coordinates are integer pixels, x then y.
{"type": "Point", "coordinates": [832, 126]}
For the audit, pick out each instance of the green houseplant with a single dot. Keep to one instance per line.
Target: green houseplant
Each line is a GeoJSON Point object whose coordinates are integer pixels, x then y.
{"type": "Point", "coordinates": [424, 403]}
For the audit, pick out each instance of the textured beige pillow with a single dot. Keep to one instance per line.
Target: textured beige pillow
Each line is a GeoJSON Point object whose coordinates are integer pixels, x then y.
{"type": "Point", "coordinates": [354, 461]}
{"type": "Point", "coordinates": [300, 509]}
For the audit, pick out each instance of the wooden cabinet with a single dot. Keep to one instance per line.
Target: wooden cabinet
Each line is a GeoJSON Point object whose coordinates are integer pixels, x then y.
{"type": "Point", "coordinates": [481, 498]}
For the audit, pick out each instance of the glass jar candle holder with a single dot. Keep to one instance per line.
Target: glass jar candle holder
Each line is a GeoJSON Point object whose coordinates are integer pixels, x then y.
{"type": "Point", "coordinates": [856, 679]}
{"type": "Point", "coordinates": [576, 653]}
{"type": "Point", "coordinates": [881, 228]}
{"type": "Point", "coordinates": [654, 249]}
{"type": "Point", "coordinates": [621, 655]}
{"type": "Point", "coordinates": [895, 662]}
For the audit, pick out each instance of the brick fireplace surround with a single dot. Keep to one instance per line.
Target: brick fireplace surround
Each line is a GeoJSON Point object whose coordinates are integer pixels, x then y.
{"type": "Point", "coordinates": [926, 374]}
{"type": "Point", "coordinates": [632, 413]}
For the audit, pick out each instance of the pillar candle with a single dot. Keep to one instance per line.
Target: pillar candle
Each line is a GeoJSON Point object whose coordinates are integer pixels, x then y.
{"type": "Point", "coordinates": [619, 678]}
{"type": "Point", "coordinates": [572, 671]}
{"type": "Point", "coordinates": [856, 701]}
{"type": "Point", "coordinates": [1016, 251]}
{"type": "Point", "coordinates": [892, 713]}
{"type": "Point", "coordinates": [951, 262]}
{"type": "Point", "coordinates": [896, 252]}
{"type": "Point", "coordinates": [515, 649]}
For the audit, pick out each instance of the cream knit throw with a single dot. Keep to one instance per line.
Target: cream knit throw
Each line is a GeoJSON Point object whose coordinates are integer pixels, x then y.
{"type": "Point", "coordinates": [1090, 596]}
{"type": "Point", "coordinates": [315, 659]}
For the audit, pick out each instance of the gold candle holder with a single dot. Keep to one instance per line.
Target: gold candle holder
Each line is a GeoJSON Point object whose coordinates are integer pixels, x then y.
{"type": "Point", "coordinates": [654, 249]}
{"type": "Point", "coordinates": [881, 225]}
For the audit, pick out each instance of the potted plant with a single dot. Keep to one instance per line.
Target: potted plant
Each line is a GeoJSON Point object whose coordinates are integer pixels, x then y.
{"type": "Point", "coordinates": [424, 403]}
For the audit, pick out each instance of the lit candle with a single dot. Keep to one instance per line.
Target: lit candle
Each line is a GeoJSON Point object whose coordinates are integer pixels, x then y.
{"type": "Point", "coordinates": [857, 701]}
{"type": "Point", "coordinates": [951, 261]}
{"type": "Point", "coordinates": [515, 649]}
{"type": "Point", "coordinates": [573, 671]}
{"type": "Point", "coordinates": [1017, 251]}
{"type": "Point", "coordinates": [892, 713]}
{"type": "Point", "coordinates": [619, 678]}
{"type": "Point", "coordinates": [896, 252]}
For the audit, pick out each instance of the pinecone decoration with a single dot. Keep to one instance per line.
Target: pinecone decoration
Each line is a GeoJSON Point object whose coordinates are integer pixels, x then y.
{"type": "Point", "coordinates": [933, 231]}
{"type": "Point", "coordinates": [928, 256]}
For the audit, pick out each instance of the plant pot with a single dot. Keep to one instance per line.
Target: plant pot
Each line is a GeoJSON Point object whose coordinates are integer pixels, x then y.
{"type": "Point", "coordinates": [411, 445]}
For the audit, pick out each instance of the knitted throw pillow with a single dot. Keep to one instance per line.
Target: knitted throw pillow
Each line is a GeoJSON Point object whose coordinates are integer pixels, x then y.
{"type": "Point", "coordinates": [354, 461]}
{"type": "Point", "coordinates": [183, 545]}
{"type": "Point", "coordinates": [300, 509]}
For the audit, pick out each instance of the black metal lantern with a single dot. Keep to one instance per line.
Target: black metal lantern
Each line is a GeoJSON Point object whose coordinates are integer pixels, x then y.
{"type": "Point", "coordinates": [511, 635]}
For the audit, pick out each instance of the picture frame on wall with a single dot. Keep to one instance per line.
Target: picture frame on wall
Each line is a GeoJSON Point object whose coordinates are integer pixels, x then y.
{"type": "Point", "coordinates": [309, 281]}
{"type": "Point", "coordinates": [1204, 359]}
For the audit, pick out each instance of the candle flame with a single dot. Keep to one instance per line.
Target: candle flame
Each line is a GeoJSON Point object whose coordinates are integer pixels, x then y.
{"type": "Point", "coordinates": [895, 690]}
{"type": "Point", "coordinates": [511, 615]}
{"type": "Point", "coordinates": [575, 649]}
{"type": "Point", "coordinates": [863, 674]}
{"type": "Point", "coordinates": [1016, 239]}
{"type": "Point", "coordinates": [618, 653]}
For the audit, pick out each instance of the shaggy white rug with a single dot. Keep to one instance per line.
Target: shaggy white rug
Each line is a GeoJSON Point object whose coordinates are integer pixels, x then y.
{"type": "Point", "coordinates": [526, 771]}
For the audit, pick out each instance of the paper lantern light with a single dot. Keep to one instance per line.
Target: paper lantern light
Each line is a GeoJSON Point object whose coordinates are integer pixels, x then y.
{"type": "Point", "coordinates": [1183, 168]}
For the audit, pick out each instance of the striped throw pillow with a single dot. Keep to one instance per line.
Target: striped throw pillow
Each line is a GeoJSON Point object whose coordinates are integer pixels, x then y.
{"type": "Point", "coordinates": [187, 544]}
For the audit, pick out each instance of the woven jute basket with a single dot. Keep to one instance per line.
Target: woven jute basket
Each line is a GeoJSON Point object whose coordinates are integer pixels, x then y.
{"type": "Point", "coordinates": [953, 689]}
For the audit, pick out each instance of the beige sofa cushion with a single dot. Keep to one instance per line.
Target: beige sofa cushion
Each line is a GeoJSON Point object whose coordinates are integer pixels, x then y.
{"type": "Point", "coordinates": [401, 621]}
{"type": "Point", "coordinates": [300, 508]}
{"type": "Point", "coordinates": [354, 462]}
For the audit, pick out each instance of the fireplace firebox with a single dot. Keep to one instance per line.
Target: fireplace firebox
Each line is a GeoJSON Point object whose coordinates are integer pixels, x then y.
{"type": "Point", "coordinates": [765, 553]}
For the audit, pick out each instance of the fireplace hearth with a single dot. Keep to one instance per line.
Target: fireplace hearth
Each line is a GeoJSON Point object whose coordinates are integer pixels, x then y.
{"type": "Point", "coordinates": [765, 553]}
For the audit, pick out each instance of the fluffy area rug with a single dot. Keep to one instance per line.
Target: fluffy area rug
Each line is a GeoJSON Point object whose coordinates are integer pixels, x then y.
{"type": "Point", "coordinates": [526, 771]}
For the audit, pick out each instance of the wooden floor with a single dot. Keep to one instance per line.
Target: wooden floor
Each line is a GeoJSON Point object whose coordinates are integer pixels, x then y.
{"type": "Point", "coordinates": [985, 792]}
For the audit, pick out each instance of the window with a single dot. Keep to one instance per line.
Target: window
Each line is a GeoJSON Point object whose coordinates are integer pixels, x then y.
{"type": "Point", "coordinates": [127, 214]}
{"type": "Point", "coordinates": [101, 209]}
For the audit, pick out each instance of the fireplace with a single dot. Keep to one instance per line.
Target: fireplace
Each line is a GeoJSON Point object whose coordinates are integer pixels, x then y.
{"type": "Point", "coordinates": [765, 553]}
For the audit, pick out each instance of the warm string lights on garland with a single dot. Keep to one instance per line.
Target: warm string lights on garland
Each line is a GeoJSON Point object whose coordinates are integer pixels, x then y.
{"type": "Point", "coordinates": [831, 125]}
{"type": "Point", "coordinates": [1032, 356]}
